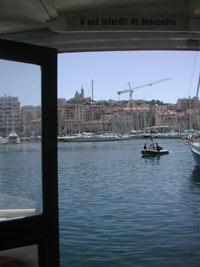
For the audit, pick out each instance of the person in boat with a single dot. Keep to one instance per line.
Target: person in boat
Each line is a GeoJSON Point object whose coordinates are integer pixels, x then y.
{"type": "Point", "coordinates": [145, 146]}
{"type": "Point", "coordinates": [157, 147]}
{"type": "Point", "coordinates": [151, 146]}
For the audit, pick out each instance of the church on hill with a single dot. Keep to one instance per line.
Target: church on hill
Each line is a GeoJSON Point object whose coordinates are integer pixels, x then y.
{"type": "Point", "coordinates": [79, 97]}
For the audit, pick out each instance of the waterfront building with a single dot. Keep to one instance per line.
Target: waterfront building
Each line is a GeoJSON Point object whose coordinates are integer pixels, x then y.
{"type": "Point", "coordinates": [107, 118]}
{"type": "Point", "coordinates": [191, 108]}
{"type": "Point", "coordinates": [77, 118]}
{"type": "Point", "coordinates": [170, 115]}
{"type": "Point", "coordinates": [158, 112]}
{"type": "Point", "coordinates": [70, 117]}
{"type": "Point", "coordinates": [122, 123]}
{"type": "Point", "coordinates": [33, 128]}
{"type": "Point", "coordinates": [68, 121]}
{"type": "Point", "coordinates": [83, 115]}
{"type": "Point", "coordinates": [142, 117]}
{"type": "Point", "coordinates": [166, 115]}
{"type": "Point", "coordinates": [10, 119]}
{"type": "Point", "coordinates": [185, 103]}
{"type": "Point", "coordinates": [31, 120]}
{"type": "Point", "coordinates": [128, 119]}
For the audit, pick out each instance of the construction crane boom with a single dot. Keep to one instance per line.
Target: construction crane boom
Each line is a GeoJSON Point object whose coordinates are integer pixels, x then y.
{"type": "Point", "coordinates": [130, 90]}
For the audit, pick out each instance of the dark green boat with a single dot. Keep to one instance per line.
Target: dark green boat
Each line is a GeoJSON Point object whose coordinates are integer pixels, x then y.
{"type": "Point", "coordinates": [154, 152]}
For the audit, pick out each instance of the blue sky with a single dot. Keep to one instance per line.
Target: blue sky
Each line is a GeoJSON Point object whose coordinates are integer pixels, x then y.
{"type": "Point", "coordinates": [111, 72]}
{"type": "Point", "coordinates": [21, 80]}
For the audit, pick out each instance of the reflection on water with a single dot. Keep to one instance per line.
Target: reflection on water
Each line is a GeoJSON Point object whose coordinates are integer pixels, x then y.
{"type": "Point", "coordinates": [193, 203]}
{"type": "Point", "coordinates": [20, 176]}
{"type": "Point", "coordinates": [152, 159]}
{"type": "Point", "coordinates": [196, 175]}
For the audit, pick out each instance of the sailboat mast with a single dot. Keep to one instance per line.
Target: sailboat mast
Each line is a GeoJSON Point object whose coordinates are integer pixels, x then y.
{"type": "Point", "coordinates": [12, 120]}
{"type": "Point", "coordinates": [92, 108]}
{"type": "Point", "coordinates": [198, 87]}
{"type": "Point", "coordinates": [92, 90]}
{"type": "Point", "coordinates": [190, 112]}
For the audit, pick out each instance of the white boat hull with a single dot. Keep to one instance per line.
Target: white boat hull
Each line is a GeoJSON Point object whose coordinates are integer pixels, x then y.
{"type": "Point", "coordinates": [13, 138]}
{"type": "Point", "coordinates": [195, 149]}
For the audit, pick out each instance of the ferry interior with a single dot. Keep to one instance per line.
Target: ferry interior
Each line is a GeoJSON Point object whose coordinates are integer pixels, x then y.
{"type": "Point", "coordinates": [36, 31]}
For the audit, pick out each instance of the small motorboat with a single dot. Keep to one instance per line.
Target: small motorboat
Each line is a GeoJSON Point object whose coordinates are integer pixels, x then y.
{"type": "Point", "coordinates": [154, 152]}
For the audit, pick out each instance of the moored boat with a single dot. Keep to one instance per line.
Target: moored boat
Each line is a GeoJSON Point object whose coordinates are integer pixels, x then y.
{"type": "Point", "coordinates": [13, 138]}
{"type": "Point", "coordinates": [3, 140]}
{"type": "Point", "coordinates": [195, 149]}
{"type": "Point", "coordinates": [89, 138]}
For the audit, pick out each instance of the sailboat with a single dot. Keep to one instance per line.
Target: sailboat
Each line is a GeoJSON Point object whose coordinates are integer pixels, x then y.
{"type": "Point", "coordinates": [3, 140]}
{"type": "Point", "coordinates": [13, 137]}
{"type": "Point", "coordinates": [195, 149]}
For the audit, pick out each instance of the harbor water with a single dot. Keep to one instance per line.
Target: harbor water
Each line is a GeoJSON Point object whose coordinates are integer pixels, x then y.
{"type": "Point", "coordinates": [119, 209]}
{"type": "Point", "coordinates": [116, 208]}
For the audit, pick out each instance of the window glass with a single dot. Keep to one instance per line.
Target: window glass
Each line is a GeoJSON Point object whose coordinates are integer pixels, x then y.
{"type": "Point", "coordinates": [20, 140]}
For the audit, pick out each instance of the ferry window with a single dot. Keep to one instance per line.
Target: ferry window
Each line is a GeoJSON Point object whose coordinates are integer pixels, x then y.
{"type": "Point", "coordinates": [20, 140]}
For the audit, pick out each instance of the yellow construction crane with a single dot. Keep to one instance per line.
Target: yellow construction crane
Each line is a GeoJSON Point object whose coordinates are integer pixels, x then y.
{"type": "Point", "coordinates": [130, 90]}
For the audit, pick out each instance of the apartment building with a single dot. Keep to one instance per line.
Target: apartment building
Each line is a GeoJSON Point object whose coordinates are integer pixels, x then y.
{"type": "Point", "coordinates": [10, 119]}
{"type": "Point", "coordinates": [87, 116]}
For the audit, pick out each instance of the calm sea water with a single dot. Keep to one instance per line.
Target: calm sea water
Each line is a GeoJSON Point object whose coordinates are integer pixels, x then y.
{"type": "Point", "coordinates": [116, 208]}
{"type": "Point", "coordinates": [119, 209]}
